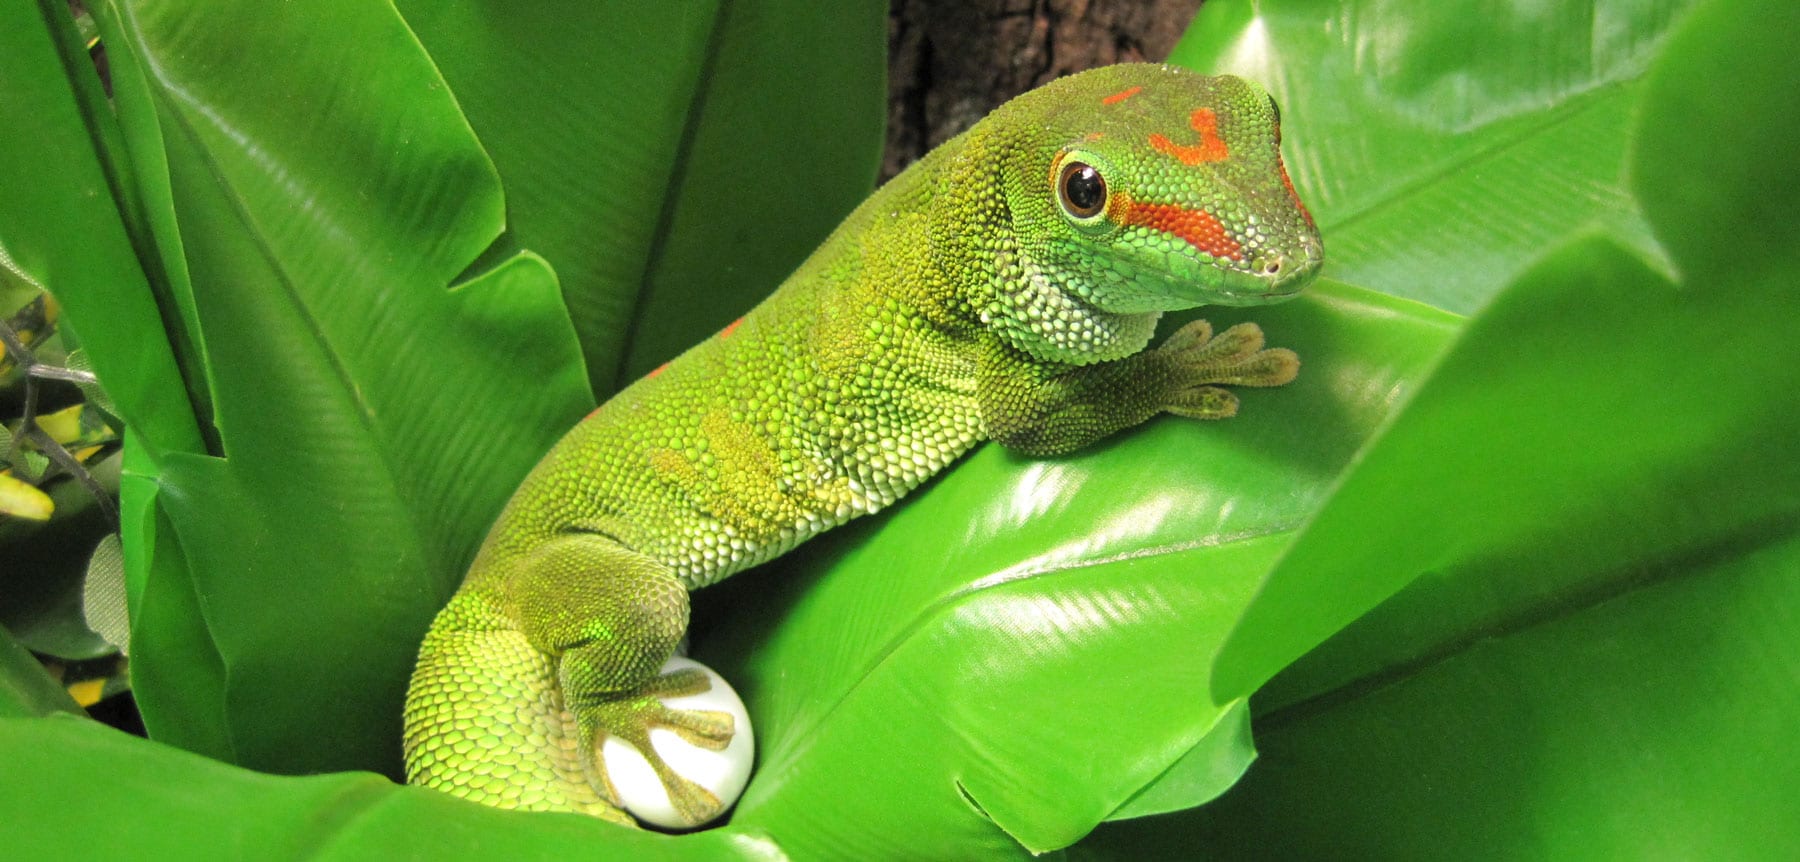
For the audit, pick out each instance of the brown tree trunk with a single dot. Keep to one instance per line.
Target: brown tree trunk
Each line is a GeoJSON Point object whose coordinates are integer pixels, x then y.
{"type": "Point", "coordinates": [952, 61]}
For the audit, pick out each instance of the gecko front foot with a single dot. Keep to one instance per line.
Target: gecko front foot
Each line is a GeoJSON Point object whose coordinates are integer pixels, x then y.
{"type": "Point", "coordinates": [630, 719]}
{"type": "Point", "coordinates": [1203, 363]}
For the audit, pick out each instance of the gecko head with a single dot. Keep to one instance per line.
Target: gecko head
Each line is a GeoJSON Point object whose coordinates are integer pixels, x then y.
{"type": "Point", "coordinates": [1141, 188]}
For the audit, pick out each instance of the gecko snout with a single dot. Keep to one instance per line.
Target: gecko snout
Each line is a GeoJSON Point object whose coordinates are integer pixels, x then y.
{"type": "Point", "coordinates": [1290, 270]}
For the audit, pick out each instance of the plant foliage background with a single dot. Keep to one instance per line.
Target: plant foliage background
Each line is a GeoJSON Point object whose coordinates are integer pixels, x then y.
{"type": "Point", "coordinates": [1509, 571]}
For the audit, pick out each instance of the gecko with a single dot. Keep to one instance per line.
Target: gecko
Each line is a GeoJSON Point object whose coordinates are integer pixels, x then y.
{"type": "Point", "coordinates": [1005, 288]}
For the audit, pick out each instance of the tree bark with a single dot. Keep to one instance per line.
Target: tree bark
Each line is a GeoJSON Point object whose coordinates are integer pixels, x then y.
{"type": "Point", "coordinates": [952, 61]}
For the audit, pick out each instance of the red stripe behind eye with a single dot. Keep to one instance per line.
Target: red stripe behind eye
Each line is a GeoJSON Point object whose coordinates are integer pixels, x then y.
{"type": "Point", "coordinates": [1199, 228]}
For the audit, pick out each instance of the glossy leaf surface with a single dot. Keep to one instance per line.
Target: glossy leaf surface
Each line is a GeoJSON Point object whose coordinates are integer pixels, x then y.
{"type": "Point", "coordinates": [1029, 648]}
{"type": "Point", "coordinates": [449, 438]}
{"type": "Point", "coordinates": [673, 161]}
{"type": "Point", "coordinates": [937, 748]}
{"type": "Point", "coordinates": [1069, 594]}
{"type": "Point", "coordinates": [1589, 657]}
{"type": "Point", "coordinates": [314, 257]}
{"type": "Point", "coordinates": [1445, 147]}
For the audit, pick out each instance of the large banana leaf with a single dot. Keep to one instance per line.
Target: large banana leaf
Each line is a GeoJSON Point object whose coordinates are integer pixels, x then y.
{"type": "Point", "coordinates": [1029, 648]}
{"type": "Point", "coordinates": [674, 161]}
{"type": "Point", "coordinates": [371, 420]}
{"type": "Point", "coordinates": [311, 261]}
{"type": "Point", "coordinates": [1590, 515]}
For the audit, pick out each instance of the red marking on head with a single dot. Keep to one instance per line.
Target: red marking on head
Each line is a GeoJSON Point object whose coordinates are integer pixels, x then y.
{"type": "Point", "coordinates": [1287, 181]}
{"type": "Point", "coordinates": [730, 328]}
{"type": "Point", "coordinates": [1211, 147]}
{"type": "Point", "coordinates": [1198, 228]}
{"type": "Point", "coordinates": [1121, 96]}
{"type": "Point", "coordinates": [657, 370]}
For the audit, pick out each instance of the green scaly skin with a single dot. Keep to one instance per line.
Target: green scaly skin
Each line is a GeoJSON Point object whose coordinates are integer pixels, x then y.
{"type": "Point", "coordinates": [997, 290]}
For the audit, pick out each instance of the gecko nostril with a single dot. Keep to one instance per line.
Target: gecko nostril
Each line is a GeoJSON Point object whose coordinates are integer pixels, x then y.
{"type": "Point", "coordinates": [1272, 267]}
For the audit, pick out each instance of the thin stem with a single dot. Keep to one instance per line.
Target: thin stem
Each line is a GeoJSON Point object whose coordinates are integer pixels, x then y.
{"type": "Point", "coordinates": [28, 427]}
{"type": "Point", "coordinates": [72, 375]}
{"type": "Point", "coordinates": [66, 460]}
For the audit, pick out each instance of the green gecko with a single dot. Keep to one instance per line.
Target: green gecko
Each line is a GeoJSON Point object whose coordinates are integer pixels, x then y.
{"type": "Point", "coordinates": [1003, 288]}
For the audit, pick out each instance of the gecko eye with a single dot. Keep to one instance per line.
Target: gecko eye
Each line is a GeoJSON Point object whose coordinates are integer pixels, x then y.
{"type": "Point", "coordinates": [1082, 191]}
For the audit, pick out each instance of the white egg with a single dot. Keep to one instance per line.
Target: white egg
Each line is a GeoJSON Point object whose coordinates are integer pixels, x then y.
{"type": "Point", "coordinates": [724, 773]}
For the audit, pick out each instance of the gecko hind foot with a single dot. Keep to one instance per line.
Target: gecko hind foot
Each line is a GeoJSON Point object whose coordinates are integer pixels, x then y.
{"type": "Point", "coordinates": [630, 718]}
{"type": "Point", "coordinates": [1204, 363]}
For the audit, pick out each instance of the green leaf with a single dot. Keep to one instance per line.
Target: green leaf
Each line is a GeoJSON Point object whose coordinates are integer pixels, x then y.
{"type": "Point", "coordinates": [1625, 441]}
{"type": "Point", "coordinates": [371, 418]}
{"type": "Point", "coordinates": [1654, 725]}
{"type": "Point", "coordinates": [261, 296]}
{"type": "Point", "coordinates": [61, 192]}
{"type": "Point", "coordinates": [1007, 683]}
{"type": "Point", "coordinates": [879, 736]}
{"type": "Point", "coordinates": [1210, 768]}
{"type": "Point", "coordinates": [1633, 409]}
{"type": "Point", "coordinates": [673, 161]}
{"type": "Point", "coordinates": [1590, 657]}
{"type": "Point", "coordinates": [1033, 647]}
{"type": "Point", "coordinates": [93, 392]}
{"type": "Point", "coordinates": [189, 807]}
{"type": "Point", "coordinates": [1444, 147]}
{"type": "Point", "coordinates": [26, 691]}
